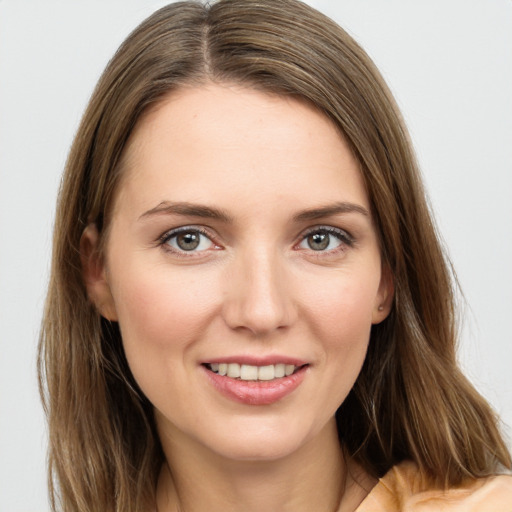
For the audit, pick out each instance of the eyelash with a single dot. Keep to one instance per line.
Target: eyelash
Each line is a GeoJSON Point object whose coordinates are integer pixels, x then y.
{"type": "Point", "coordinates": [343, 236]}
{"type": "Point", "coordinates": [346, 239]}
{"type": "Point", "coordinates": [168, 235]}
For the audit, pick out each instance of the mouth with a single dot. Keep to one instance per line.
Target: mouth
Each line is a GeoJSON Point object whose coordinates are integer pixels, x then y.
{"type": "Point", "coordinates": [254, 373]}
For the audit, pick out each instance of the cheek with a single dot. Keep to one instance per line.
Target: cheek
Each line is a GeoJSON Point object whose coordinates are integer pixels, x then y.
{"type": "Point", "coordinates": [152, 299]}
{"type": "Point", "coordinates": [160, 314]}
{"type": "Point", "coordinates": [340, 316]}
{"type": "Point", "coordinates": [343, 302]}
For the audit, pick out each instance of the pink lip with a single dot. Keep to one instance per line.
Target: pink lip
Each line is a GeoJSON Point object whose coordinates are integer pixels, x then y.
{"type": "Point", "coordinates": [255, 392]}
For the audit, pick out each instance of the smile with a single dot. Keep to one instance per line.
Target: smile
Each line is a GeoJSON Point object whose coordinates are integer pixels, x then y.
{"type": "Point", "coordinates": [251, 384]}
{"type": "Point", "coordinates": [252, 373]}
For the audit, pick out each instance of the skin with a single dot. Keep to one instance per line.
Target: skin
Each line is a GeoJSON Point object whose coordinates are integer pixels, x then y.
{"type": "Point", "coordinates": [254, 287]}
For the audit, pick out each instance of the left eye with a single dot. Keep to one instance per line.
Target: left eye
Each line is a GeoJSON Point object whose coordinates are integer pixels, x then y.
{"type": "Point", "coordinates": [323, 240]}
{"type": "Point", "coordinates": [188, 240]}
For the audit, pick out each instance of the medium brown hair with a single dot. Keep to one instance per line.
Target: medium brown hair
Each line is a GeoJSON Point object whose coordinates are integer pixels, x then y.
{"type": "Point", "coordinates": [410, 400]}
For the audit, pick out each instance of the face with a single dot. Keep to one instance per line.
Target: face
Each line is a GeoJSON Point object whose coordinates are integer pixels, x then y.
{"type": "Point", "coordinates": [243, 268]}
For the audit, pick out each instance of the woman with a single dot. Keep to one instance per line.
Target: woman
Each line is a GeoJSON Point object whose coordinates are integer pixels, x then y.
{"type": "Point", "coordinates": [249, 308]}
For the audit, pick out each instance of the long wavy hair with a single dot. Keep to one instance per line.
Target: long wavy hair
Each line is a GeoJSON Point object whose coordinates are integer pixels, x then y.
{"type": "Point", "coordinates": [410, 400]}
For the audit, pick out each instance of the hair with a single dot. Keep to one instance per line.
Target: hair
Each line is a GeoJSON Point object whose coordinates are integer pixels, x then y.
{"type": "Point", "coordinates": [410, 400]}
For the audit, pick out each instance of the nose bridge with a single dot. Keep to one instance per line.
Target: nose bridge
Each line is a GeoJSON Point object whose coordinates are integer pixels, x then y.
{"type": "Point", "coordinates": [258, 297]}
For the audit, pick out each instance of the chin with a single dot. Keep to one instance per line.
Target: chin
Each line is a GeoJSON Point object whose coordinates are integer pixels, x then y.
{"type": "Point", "coordinates": [260, 451]}
{"type": "Point", "coordinates": [259, 442]}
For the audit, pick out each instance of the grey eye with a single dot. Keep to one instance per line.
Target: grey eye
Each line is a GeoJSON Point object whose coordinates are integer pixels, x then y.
{"type": "Point", "coordinates": [318, 241]}
{"type": "Point", "coordinates": [325, 239]}
{"type": "Point", "coordinates": [189, 240]}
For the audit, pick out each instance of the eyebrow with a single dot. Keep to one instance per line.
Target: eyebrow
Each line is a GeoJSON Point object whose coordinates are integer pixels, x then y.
{"type": "Point", "coordinates": [187, 209]}
{"type": "Point", "coordinates": [208, 212]}
{"type": "Point", "coordinates": [329, 210]}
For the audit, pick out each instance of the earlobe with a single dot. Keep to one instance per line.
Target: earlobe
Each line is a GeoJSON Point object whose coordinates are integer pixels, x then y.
{"type": "Point", "coordinates": [384, 299]}
{"type": "Point", "coordinates": [94, 274]}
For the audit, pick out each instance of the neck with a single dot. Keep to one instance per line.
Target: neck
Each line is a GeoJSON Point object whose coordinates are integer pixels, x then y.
{"type": "Point", "coordinates": [315, 477]}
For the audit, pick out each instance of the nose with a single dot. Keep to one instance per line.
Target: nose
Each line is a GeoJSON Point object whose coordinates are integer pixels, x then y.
{"type": "Point", "coordinates": [258, 296]}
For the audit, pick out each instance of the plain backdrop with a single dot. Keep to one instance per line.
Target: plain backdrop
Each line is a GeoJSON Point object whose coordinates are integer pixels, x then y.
{"type": "Point", "coordinates": [449, 64]}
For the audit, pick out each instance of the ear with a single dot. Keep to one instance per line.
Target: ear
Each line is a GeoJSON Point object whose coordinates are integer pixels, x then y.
{"type": "Point", "coordinates": [94, 273]}
{"type": "Point", "coordinates": [384, 298]}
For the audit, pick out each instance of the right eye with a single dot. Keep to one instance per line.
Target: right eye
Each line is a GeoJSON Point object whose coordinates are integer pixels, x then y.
{"type": "Point", "coordinates": [187, 240]}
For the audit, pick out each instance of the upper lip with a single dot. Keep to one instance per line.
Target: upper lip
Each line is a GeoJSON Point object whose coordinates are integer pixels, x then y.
{"type": "Point", "coordinates": [257, 360]}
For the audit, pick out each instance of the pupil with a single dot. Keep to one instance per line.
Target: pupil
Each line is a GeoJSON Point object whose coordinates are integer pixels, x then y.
{"type": "Point", "coordinates": [188, 241]}
{"type": "Point", "coordinates": [318, 241]}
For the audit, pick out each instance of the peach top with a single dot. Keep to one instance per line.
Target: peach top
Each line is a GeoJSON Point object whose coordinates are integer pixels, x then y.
{"type": "Point", "coordinates": [404, 489]}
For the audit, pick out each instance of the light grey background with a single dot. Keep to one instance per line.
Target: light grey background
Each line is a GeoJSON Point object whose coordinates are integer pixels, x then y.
{"type": "Point", "coordinates": [449, 63]}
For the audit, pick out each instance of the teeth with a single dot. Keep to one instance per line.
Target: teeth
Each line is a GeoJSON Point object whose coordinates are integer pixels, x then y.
{"type": "Point", "coordinates": [289, 369]}
{"type": "Point", "coordinates": [266, 372]}
{"type": "Point", "coordinates": [233, 370]}
{"type": "Point", "coordinates": [249, 372]}
{"type": "Point", "coordinates": [279, 371]}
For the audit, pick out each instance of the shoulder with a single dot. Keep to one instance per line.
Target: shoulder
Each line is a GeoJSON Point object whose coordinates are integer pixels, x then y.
{"type": "Point", "coordinates": [404, 488]}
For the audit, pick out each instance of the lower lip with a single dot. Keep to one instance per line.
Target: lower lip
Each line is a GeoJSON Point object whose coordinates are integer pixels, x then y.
{"type": "Point", "coordinates": [261, 392]}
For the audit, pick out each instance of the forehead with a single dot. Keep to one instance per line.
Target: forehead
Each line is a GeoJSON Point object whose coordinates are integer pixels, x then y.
{"type": "Point", "coordinates": [228, 143]}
